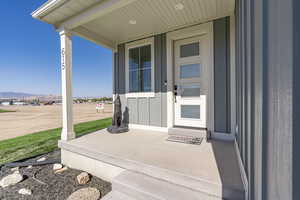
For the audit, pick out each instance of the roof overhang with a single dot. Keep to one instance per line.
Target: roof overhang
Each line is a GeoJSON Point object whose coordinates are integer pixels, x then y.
{"type": "Point", "coordinates": [111, 22]}
{"type": "Point", "coordinates": [47, 8]}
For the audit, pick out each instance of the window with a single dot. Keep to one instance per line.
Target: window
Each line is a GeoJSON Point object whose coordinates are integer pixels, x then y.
{"type": "Point", "coordinates": [139, 68]}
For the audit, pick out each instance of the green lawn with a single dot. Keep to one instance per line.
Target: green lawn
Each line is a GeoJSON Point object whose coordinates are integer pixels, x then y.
{"type": "Point", "coordinates": [42, 142]}
{"type": "Point", "coordinates": [4, 111]}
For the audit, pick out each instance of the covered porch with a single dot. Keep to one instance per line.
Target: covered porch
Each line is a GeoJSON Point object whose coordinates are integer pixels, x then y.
{"type": "Point", "coordinates": [210, 170]}
{"type": "Point", "coordinates": [141, 164]}
{"type": "Point", "coordinates": [125, 26]}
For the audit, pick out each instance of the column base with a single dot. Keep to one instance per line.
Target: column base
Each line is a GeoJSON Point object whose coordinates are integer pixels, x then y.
{"type": "Point", "coordinates": [66, 136]}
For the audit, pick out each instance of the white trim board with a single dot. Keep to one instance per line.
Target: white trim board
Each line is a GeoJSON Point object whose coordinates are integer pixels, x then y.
{"type": "Point", "coordinates": [146, 127]}
{"type": "Point", "coordinates": [131, 45]}
{"type": "Point", "coordinates": [139, 94]}
{"type": "Point", "coordinates": [46, 8]}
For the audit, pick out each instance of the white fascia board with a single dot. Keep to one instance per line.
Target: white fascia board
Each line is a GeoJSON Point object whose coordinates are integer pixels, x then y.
{"type": "Point", "coordinates": [94, 12]}
{"type": "Point", "coordinates": [46, 8]}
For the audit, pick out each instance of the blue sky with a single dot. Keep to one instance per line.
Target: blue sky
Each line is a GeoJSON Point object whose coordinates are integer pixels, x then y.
{"type": "Point", "coordinates": [30, 59]}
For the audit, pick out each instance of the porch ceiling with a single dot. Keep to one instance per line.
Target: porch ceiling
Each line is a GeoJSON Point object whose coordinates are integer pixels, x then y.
{"type": "Point", "coordinates": [110, 22]}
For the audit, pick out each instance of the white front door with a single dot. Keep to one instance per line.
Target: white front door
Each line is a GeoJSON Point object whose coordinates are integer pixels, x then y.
{"type": "Point", "coordinates": [191, 58]}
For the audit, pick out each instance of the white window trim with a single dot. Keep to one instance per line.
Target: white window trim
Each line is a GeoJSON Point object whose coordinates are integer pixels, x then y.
{"type": "Point", "coordinates": [132, 45]}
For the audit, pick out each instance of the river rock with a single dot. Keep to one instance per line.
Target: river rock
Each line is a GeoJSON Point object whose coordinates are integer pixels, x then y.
{"type": "Point", "coordinates": [57, 166]}
{"type": "Point", "coordinates": [60, 170]}
{"type": "Point", "coordinates": [41, 159]}
{"type": "Point", "coordinates": [11, 179]}
{"type": "Point", "coordinates": [25, 191]}
{"type": "Point", "coordinates": [85, 194]}
{"type": "Point", "coordinates": [15, 169]}
{"type": "Point", "coordinates": [83, 178]}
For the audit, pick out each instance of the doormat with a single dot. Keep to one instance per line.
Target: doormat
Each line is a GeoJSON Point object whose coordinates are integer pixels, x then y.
{"type": "Point", "coordinates": [185, 139]}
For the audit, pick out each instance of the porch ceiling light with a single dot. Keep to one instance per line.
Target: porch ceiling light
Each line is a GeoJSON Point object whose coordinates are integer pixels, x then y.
{"type": "Point", "coordinates": [132, 22]}
{"type": "Point", "coordinates": [179, 6]}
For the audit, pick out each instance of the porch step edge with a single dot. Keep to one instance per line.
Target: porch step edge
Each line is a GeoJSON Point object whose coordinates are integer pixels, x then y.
{"type": "Point", "coordinates": [194, 183]}
{"type": "Point", "coordinates": [144, 187]}
{"type": "Point", "coordinates": [116, 195]}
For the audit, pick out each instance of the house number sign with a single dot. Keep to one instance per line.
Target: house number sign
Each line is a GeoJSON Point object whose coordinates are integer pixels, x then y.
{"type": "Point", "coordinates": [63, 58]}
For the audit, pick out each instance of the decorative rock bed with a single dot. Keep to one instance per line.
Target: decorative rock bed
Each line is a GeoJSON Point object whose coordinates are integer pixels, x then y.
{"type": "Point", "coordinates": [48, 182]}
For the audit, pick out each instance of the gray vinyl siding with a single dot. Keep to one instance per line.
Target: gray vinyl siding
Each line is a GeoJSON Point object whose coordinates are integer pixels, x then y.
{"type": "Point", "coordinates": [143, 111]}
{"type": "Point", "coordinates": [132, 107]}
{"type": "Point", "coordinates": [222, 118]}
{"type": "Point", "coordinates": [147, 110]}
{"type": "Point", "coordinates": [296, 100]}
{"type": "Point", "coordinates": [268, 86]}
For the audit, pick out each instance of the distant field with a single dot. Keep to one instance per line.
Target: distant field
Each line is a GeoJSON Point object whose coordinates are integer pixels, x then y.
{"type": "Point", "coordinates": [30, 119]}
{"type": "Point", "coordinates": [4, 111]}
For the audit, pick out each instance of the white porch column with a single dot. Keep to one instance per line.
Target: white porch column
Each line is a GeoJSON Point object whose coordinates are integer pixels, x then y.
{"type": "Point", "coordinates": [66, 83]}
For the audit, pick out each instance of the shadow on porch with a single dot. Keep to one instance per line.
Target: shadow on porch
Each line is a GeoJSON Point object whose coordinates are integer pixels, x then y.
{"type": "Point", "coordinates": [210, 168]}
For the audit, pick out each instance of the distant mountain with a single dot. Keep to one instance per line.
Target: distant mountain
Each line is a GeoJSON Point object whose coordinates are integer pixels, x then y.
{"type": "Point", "coordinates": [15, 95]}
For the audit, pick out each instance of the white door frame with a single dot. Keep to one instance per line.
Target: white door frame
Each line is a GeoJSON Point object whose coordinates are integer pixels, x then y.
{"type": "Point", "coordinates": [197, 30]}
{"type": "Point", "coordinates": [201, 80]}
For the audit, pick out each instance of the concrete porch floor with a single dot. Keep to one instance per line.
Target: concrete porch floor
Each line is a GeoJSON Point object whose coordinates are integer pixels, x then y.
{"type": "Point", "coordinates": [211, 167]}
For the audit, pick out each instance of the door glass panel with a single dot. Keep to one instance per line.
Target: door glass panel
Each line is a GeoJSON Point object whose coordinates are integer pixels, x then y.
{"type": "Point", "coordinates": [190, 71]}
{"type": "Point", "coordinates": [190, 111]}
{"type": "Point", "coordinates": [190, 90]}
{"type": "Point", "coordinates": [188, 50]}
